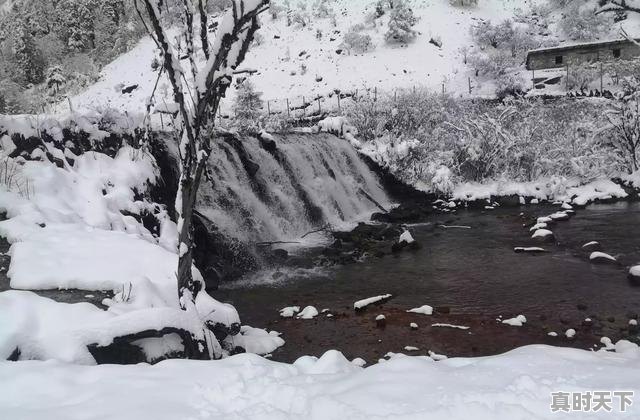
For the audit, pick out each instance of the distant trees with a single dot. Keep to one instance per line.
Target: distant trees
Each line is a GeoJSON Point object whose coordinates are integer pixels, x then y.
{"type": "Point", "coordinates": [581, 23]}
{"type": "Point", "coordinates": [79, 36]}
{"type": "Point", "coordinates": [247, 107]}
{"type": "Point", "coordinates": [29, 62]}
{"type": "Point", "coordinates": [401, 22]}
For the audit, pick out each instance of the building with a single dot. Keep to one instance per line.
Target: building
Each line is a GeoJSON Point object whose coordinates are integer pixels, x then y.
{"type": "Point", "coordinates": [577, 54]}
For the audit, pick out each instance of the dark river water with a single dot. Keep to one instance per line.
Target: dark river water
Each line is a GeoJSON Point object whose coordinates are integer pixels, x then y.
{"type": "Point", "coordinates": [476, 270]}
{"type": "Point", "coordinates": [476, 273]}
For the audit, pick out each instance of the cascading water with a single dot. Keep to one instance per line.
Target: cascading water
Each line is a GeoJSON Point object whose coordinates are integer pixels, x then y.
{"type": "Point", "coordinates": [261, 191]}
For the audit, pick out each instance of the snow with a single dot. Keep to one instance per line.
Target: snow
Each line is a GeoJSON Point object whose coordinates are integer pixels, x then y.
{"type": "Point", "coordinates": [67, 256]}
{"type": "Point", "coordinates": [424, 309]}
{"type": "Point", "coordinates": [601, 255]}
{"type": "Point", "coordinates": [361, 304]}
{"type": "Point", "coordinates": [406, 237]}
{"type": "Point", "coordinates": [413, 326]}
{"type": "Point", "coordinates": [528, 249]}
{"type": "Point", "coordinates": [552, 334]}
{"type": "Point", "coordinates": [589, 244]}
{"type": "Point", "coordinates": [518, 321]}
{"type": "Point", "coordinates": [289, 311]}
{"type": "Point", "coordinates": [572, 191]}
{"type": "Point", "coordinates": [633, 322]}
{"type": "Point", "coordinates": [570, 333]}
{"type": "Point", "coordinates": [411, 348]}
{"type": "Point", "coordinates": [635, 271]}
{"type": "Point", "coordinates": [308, 312]}
{"type": "Point", "coordinates": [380, 317]}
{"type": "Point", "coordinates": [279, 61]}
{"type": "Point", "coordinates": [514, 385]}
{"type": "Point", "coordinates": [459, 327]}
{"type": "Point", "coordinates": [258, 341]}
{"type": "Point", "coordinates": [542, 233]}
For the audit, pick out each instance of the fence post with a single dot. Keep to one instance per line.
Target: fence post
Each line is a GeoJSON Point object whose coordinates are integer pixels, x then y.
{"type": "Point", "coordinates": [601, 83]}
{"type": "Point", "coordinates": [469, 79]}
{"type": "Point", "coordinates": [304, 107]}
{"type": "Point", "coordinates": [442, 89]}
{"type": "Point", "coordinates": [566, 82]}
{"type": "Point", "coordinates": [268, 108]}
{"type": "Point", "coordinates": [395, 96]}
{"type": "Point", "coordinates": [375, 94]}
{"type": "Point", "coordinates": [319, 107]}
{"type": "Point", "coordinates": [288, 109]}
{"type": "Point", "coordinates": [339, 110]}
{"type": "Point", "coordinates": [533, 78]}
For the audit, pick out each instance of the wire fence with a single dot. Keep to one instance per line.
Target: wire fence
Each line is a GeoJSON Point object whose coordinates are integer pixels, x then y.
{"type": "Point", "coordinates": [333, 103]}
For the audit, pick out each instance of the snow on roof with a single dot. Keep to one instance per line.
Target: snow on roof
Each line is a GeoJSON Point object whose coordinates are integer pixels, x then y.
{"type": "Point", "coordinates": [578, 45]}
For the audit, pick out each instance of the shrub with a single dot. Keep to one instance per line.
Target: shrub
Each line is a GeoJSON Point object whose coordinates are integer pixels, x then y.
{"type": "Point", "coordinates": [401, 23]}
{"type": "Point", "coordinates": [357, 42]}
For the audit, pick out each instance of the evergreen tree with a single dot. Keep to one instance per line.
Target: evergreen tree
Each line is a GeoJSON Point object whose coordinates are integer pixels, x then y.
{"type": "Point", "coordinates": [248, 104]}
{"type": "Point", "coordinates": [28, 59]}
{"type": "Point", "coordinates": [401, 23]}
{"type": "Point", "coordinates": [55, 80]}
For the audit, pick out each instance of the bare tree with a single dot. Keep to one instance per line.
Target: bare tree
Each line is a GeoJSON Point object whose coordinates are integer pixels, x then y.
{"type": "Point", "coordinates": [197, 95]}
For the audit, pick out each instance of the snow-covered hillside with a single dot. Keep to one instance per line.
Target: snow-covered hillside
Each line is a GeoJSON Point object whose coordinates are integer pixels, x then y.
{"type": "Point", "coordinates": [299, 61]}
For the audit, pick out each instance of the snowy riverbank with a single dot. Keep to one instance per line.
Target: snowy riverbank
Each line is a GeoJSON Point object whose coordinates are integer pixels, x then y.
{"type": "Point", "coordinates": [516, 385]}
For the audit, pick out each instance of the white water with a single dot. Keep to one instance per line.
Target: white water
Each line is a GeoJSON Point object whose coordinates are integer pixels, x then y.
{"type": "Point", "coordinates": [270, 206]}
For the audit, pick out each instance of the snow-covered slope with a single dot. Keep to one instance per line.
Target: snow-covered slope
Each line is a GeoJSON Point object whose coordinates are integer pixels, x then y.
{"type": "Point", "coordinates": [293, 62]}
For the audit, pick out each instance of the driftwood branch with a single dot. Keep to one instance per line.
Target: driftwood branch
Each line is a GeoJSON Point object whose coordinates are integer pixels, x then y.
{"type": "Point", "coordinates": [323, 228]}
{"type": "Point", "coordinates": [373, 200]}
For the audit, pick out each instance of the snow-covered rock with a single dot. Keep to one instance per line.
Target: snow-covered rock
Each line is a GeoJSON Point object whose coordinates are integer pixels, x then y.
{"type": "Point", "coordinates": [308, 312]}
{"type": "Point", "coordinates": [634, 274]}
{"type": "Point", "coordinates": [601, 257]}
{"type": "Point", "coordinates": [406, 237]}
{"type": "Point", "coordinates": [363, 303]}
{"type": "Point", "coordinates": [518, 321]}
{"type": "Point", "coordinates": [424, 309]}
{"type": "Point", "coordinates": [289, 311]}
{"type": "Point", "coordinates": [592, 246]}
{"type": "Point", "coordinates": [570, 333]}
{"type": "Point", "coordinates": [543, 235]}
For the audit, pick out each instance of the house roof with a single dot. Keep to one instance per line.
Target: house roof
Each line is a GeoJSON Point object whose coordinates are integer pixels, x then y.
{"type": "Point", "coordinates": [577, 46]}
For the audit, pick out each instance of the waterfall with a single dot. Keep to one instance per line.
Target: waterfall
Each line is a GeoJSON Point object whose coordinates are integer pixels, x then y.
{"type": "Point", "coordinates": [257, 192]}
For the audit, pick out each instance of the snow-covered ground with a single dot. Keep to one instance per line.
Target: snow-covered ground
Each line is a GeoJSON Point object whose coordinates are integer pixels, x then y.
{"type": "Point", "coordinates": [293, 63]}
{"type": "Point", "coordinates": [513, 386]}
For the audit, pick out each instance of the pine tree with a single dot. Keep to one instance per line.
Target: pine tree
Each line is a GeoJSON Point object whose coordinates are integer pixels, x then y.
{"type": "Point", "coordinates": [55, 80]}
{"type": "Point", "coordinates": [28, 59]}
{"type": "Point", "coordinates": [247, 106]}
{"type": "Point", "coordinates": [401, 23]}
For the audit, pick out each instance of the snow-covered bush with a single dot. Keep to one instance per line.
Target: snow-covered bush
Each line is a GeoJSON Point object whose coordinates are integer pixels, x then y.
{"type": "Point", "coordinates": [415, 135]}
{"type": "Point", "coordinates": [463, 3]}
{"type": "Point", "coordinates": [401, 23]}
{"type": "Point", "coordinates": [622, 133]}
{"type": "Point", "coordinates": [357, 42]}
{"type": "Point", "coordinates": [580, 77]}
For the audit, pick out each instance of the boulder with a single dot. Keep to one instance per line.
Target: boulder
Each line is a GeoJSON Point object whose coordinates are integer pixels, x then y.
{"type": "Point", "coordinates": [634, 275]}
